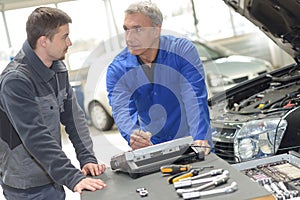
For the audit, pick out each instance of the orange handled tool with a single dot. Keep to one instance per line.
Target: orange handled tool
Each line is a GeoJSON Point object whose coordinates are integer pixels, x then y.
{"type": "Point", "coordinates": [174, 169]}
{"type": "Point", "coordinates": [182, 175]}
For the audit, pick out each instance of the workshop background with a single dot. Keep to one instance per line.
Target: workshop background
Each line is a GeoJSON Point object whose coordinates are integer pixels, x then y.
{"type": "Point", "coordinates": [95, 21]}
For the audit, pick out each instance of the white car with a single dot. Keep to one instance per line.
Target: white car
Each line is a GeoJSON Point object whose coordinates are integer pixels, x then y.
{"type": "Point", "coordinates": [223, 70]}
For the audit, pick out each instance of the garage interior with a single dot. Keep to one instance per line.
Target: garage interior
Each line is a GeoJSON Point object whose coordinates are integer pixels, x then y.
{"type": "Point", "coordinates": [109, 143]}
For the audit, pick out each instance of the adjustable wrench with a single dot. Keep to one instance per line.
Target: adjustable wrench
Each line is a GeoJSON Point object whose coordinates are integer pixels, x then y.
{"type": "Point", "coordinates": [189, 182]}
{"type": "Point", "coordinates": [217, 181]}
{"type": "Point", "coordinates": [191, 195]}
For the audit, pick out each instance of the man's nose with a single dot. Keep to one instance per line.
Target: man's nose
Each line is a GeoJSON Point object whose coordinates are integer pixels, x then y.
{"type": "Point", "coordinates": [69, 42]}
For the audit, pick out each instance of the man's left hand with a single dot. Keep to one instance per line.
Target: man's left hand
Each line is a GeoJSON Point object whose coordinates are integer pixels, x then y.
{"type": "Point", "coordinates": [93, 169]}
{"type": "Point", "coordinates": [204, 145]}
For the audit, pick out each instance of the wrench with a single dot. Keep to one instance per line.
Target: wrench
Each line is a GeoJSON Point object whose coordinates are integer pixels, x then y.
{"type": "Point", "coordinates": [210, 173]}
{"type": "Point", "coordinates": [287, 193]}
{"type": "Point", "coordinates": [229, 189]}
{"type": "Point", "coordinates": [189, 182]}
{"type": "Point", "coordinates": [218, 181]}
{"type": "Point", "coordinates": [275, 188]}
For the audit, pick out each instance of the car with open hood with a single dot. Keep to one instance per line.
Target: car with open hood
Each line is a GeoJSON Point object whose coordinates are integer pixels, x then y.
{"type": "Point", "coordinates": [260, 117]}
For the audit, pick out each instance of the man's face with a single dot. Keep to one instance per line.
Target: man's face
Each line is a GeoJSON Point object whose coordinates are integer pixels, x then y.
{"type": "Point", "coordinates": [58, 46]}
{"type": "Point", "coordinates": [140, 34]}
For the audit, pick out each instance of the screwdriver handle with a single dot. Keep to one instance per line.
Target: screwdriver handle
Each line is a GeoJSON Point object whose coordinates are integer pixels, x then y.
{"type": "Point", "coordinates": [183, 176]}
{"type": "Point", "coordinates": [174, 169]}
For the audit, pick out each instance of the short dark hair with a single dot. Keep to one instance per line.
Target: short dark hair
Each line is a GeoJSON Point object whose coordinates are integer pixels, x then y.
{"type": "Point", "coordinates": [45, 21]}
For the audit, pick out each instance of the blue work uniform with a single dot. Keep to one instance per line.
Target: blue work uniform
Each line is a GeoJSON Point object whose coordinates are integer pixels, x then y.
{"type": "Point", "coordinates": [171, 104]}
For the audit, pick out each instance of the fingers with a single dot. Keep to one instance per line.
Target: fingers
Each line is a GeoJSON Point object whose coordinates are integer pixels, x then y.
{"type": "Point", "coordinates": [93, 169]}
{"type": "Point", "coordinates": [206, 150]}
{"type": "Point", "coordinates": [89, 184]}
{"type": "Point", "coordinates": [204, 146]}
{"type": "Point", "coordinates": [98, 169]}
{"type": "Point", "coordinates": [84, 172]}
{"type": "Point", "coordinates": [140, 139]}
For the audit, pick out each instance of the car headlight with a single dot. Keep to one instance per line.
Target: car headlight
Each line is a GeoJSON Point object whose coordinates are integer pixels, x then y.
{"type": "Point", "coordinates": [215, 80]}
{"type": "Point", "coordinates": [247, 147]}
{"type": "Point", "coordinates": [259, 138]}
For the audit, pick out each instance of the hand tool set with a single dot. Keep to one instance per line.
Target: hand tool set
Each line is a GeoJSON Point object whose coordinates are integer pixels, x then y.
{"type": "Point", "coordinates": [191, 183]}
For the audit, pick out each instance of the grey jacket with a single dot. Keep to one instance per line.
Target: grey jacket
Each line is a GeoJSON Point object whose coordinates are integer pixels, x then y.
{"type": "Point", "coordinates": [34, 102]}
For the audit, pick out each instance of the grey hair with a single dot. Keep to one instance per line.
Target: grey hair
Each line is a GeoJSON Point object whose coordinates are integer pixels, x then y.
{"type": "Point", "coordinates": [148, 9]}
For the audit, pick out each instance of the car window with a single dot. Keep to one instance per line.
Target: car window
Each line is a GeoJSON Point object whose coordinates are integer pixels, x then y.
{"type": "Point", "coordinates": [75, 60]}
{"type": "Point", "coordinates": [206, 53]}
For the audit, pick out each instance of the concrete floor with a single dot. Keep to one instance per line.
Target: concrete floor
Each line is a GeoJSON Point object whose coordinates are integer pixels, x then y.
{"type": "Point", "coordinates": [106, 145]}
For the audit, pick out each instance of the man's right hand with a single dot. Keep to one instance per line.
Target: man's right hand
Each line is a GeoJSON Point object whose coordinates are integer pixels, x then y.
{"type": "Point", "coordinates": [140, 139]}
{"type": "Point", "coordinates": [89, 184]}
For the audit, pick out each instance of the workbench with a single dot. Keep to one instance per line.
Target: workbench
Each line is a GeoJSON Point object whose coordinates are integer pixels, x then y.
{"type": "Point", "coordinates": [120, 186]}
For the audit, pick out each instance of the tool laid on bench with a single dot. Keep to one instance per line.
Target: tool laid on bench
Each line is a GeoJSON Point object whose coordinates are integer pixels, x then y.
{"type": "Point", "coordinates": [229, 189]}
{"type": "Point", "coordinates": [188, 182]}
{"type": "Point", "coordinates": [181, 171]}
{"type": "Point", "coordinates": [215, 181]}
{"type": "Point", "coordinates": [174, 169]}
{"type": "Point", "coordinates": [182, 175]}
{"type": "Point", "coordinates": [210, 173]}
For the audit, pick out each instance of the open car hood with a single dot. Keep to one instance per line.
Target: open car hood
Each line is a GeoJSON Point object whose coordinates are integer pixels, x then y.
{"type": "Point", "coordinates": [278, 19]}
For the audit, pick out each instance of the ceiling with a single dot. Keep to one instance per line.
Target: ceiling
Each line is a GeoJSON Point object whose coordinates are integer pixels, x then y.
{"type": "Point", "coordinates": [16, 4]}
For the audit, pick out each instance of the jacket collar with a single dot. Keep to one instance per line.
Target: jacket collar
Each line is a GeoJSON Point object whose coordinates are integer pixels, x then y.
{"type": "Point", "coordinates": [35, 63]}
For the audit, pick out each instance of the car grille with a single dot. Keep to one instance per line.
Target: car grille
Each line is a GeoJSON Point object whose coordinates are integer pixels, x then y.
{"type": "Point", "coordinates": [225, 151]}
{"type": "Point", "coordinates": [224, 137]}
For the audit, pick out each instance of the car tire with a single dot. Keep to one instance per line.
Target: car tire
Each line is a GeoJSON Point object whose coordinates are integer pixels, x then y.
{"type": "Point", "coordinates": [100, 119]}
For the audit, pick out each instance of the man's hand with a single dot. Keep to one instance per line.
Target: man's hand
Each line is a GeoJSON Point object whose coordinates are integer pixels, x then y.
{"type": "Point", "coordinates": [140, 139]}
{"type": "Point", "coordinates": [204, 145]}
{"type": "Point", "coordinates": [89, 184]}
{"type": "Point", "coordinates": [93, 169]}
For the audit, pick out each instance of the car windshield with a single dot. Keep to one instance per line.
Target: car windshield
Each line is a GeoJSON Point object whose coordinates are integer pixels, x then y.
{"type": "Point", "coordinates": [207, 53]}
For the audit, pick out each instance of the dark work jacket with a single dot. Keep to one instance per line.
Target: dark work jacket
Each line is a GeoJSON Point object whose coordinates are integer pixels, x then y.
{"type": "Point", "coordinates": [34, 102]}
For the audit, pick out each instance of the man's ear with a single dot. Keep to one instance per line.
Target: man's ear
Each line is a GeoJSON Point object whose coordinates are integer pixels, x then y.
{"type": "Point", "coordinates": [42, 41]}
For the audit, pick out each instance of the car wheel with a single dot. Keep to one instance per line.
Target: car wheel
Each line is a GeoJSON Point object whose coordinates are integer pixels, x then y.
{"type": "Point", "coordinates": [101, 120]}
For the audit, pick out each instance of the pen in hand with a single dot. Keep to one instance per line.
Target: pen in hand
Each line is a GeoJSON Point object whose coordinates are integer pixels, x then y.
{"type": "Point", "coordinates": [140, 139]}
{"type": "Point", "coordinates": [147, 134]}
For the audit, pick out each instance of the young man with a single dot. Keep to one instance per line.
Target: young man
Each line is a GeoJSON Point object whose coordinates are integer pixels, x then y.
{"type": "Point", "coordinates": [35, 97]}
{"type": "Point", "coordinates": [156, 84]}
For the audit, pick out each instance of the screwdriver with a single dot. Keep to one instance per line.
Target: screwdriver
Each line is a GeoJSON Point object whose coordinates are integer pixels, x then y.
{"type": "Point", "coordinates": [174, 169]}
